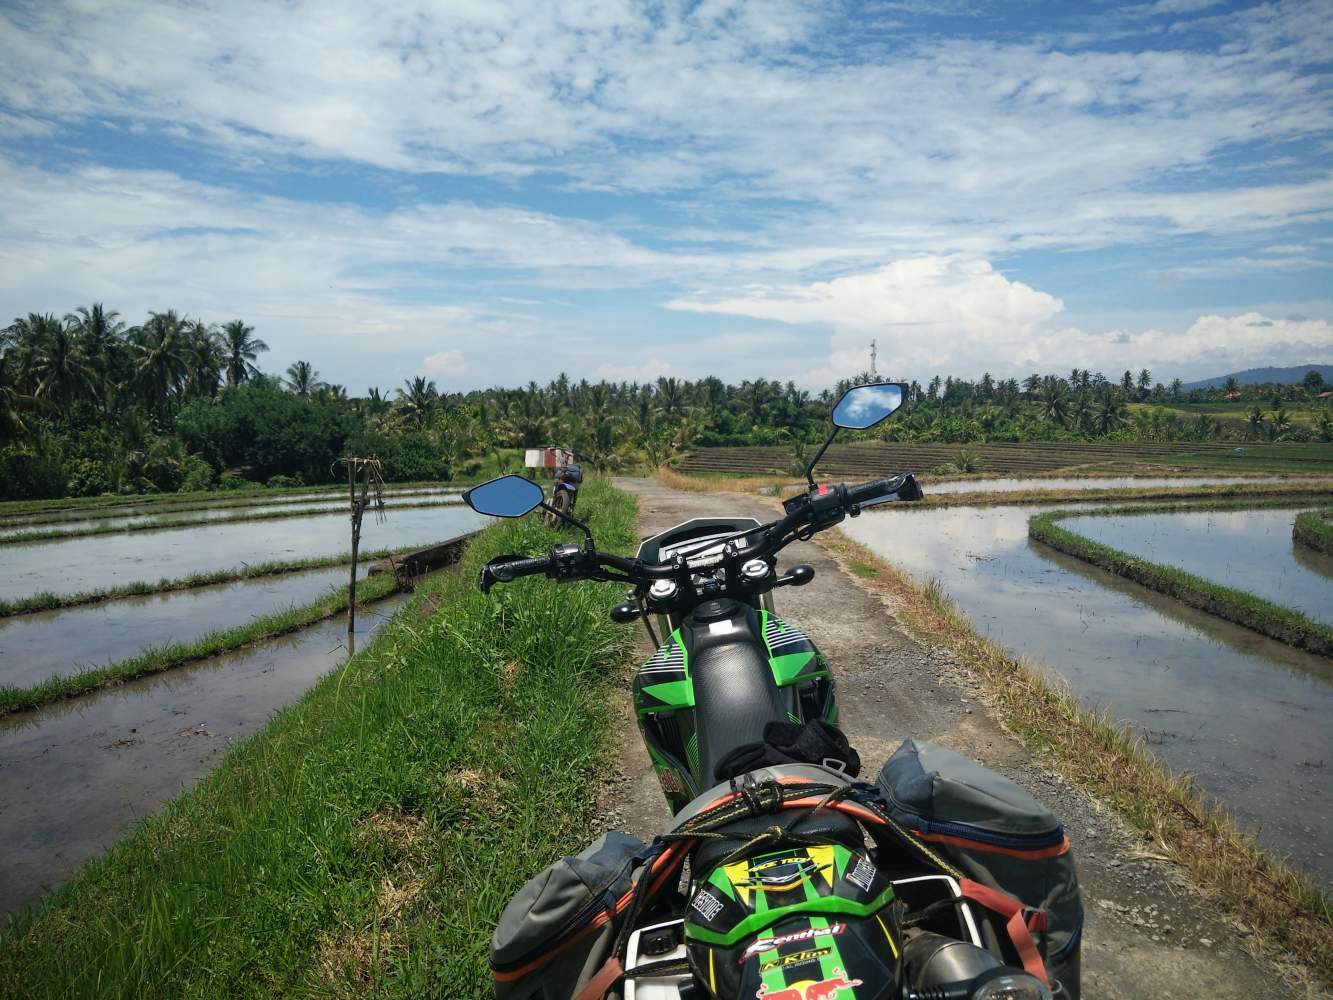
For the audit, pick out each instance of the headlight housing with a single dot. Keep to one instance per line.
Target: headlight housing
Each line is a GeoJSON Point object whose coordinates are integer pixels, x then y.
{"type": "Point", "coordinates": [1009, 984]}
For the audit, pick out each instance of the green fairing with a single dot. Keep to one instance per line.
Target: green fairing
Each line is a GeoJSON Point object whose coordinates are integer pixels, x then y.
{"type": "Point", "coordinates": [757, 922]}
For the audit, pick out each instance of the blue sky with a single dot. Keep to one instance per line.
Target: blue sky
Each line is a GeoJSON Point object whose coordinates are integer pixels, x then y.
{"type": "Point", "coordinates": [490, 192]}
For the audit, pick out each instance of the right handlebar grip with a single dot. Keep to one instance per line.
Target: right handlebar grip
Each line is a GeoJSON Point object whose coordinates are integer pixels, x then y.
{"type": "Point", "coordinates": [505, 569]}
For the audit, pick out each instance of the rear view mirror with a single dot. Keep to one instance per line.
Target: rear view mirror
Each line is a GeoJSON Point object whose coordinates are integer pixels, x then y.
{"type": "Point", "coordinates": [864, 406]}
{"type": "Point", "coordinates": [508, 496]}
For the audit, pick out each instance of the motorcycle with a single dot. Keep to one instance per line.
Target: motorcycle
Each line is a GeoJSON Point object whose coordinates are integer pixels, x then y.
{"type": "Point", "coordinates": [564, 494]}
{"type": "Point", "coordinates": [729, 707]}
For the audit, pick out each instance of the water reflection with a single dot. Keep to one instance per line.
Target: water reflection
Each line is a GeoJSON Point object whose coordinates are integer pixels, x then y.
{"type": "Point", "coordinates": [37, 646]}
{"type": "Point", "coordinates": [75, 777]}
{"type": "Point", "coordinates": [1250, 550]}
{"type": "Point", "coordinates": [1247, 715]}
{"type": "Point", "coordinates": [78, 564]}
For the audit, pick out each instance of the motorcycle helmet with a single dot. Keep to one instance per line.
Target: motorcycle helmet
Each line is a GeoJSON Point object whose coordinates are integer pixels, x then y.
{"type": "Point", "coordinates": [803, 923]}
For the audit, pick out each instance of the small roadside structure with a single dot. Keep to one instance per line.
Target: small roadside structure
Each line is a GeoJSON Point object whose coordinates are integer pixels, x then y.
{"type": "Point", "coordinates": [551, 457]}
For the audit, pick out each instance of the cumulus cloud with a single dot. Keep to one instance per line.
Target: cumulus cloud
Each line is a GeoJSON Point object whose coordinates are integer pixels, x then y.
{"type": "Point", "coordinates": [960, 315]}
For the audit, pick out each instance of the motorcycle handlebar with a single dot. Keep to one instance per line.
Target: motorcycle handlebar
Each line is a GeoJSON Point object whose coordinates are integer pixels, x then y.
{"type": "Point", "coordinates": [506, 569]}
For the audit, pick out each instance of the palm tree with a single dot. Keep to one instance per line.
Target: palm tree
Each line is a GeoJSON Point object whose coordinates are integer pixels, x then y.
{"type": "Point", "coordinates": [1281, 422]}
{"type": "Point", "coordinates": [1231, 385]}
{"type": "Point", "coordinates": [241, 350]}
{"type": "Point", "coordinates": [160, 357]}
{"type": "Point", "coordinates": [302, 378]}
{"type": "Point", "coordinates": [1110, 414]}
{"type": "Point", "coordinates": [59, 372]}
{"type": "Point", "coordinates": [204, 357]}
{"type": "Point", "coordinates": [1053, 400]}
{"type": "Point", "coordinates": [1255, 418]}
{"type": "Point", "coordinates": [419, 401]}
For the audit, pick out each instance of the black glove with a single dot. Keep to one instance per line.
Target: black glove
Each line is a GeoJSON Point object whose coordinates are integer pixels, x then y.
{"type": "Point", "coordinates": [812, 742]}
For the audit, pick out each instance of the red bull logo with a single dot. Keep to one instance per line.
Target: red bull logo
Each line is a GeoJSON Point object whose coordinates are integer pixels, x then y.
{"type": "Point", "coordinates": [824, 989]}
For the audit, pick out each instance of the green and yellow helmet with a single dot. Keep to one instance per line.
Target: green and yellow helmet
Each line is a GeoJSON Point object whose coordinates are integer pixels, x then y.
{"type": "Point", "coordinates": [804, 923]}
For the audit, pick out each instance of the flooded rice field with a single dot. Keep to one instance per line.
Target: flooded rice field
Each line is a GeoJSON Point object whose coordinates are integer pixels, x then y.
{"type": "Point", "coordinates": [77, 776]}
{"type": "Point", "coordinates": [78, 564]}
{"type": "Point", "coordinates": [1011, 484]}
{"type": "Point", "coordinates": [1249, 717]}
{"type": "Point", "coordinates": [1250, 550]}
{"type": "Point", "coordinates": [147, 520]}
{"type": "Point", "coordinates": [37, 646]}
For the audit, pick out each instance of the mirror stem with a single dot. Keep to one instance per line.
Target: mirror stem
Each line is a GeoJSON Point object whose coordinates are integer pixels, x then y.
{"type": "Point", "coordinates": [569, 519]}
{"type": "Point", "coordinates": [809, 469]}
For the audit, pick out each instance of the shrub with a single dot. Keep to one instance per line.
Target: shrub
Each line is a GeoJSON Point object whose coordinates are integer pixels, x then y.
{"type": "Point", "coordinates": [281, 482]}
{"type": "Point", "coordinates": [198, 475]}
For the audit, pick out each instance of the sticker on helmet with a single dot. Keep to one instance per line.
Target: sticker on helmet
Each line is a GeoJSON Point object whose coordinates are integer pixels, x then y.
{"type": "Point", "coordinates": [862, 874]}
{"type": "Point", "coordinates": [808, 934]}
{"type": "Point", "coordinates": [708, 905]}
{"type": "Point", "coordinates": [809, 989]}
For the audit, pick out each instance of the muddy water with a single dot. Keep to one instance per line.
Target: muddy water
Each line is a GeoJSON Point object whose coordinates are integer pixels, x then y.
{"type": "Point", "coordinates": [38, 646]}
{"type": "Point", "coordinates": [1248, 716]}
{"type": "Point", "coordinates": [78, 564]}
{"type": "Point", "coordinates": [204, 516]}
{"type": "Point", "coordinates": [1011, 484]}
{"type": "Point", "coordinates": [1247, 549]}
{"type": "Point", "coordinates": [76, 777]}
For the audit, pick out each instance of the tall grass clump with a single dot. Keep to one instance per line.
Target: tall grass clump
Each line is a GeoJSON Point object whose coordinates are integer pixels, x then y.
{"type": "Point", "coordinates": [1314, 529]}
{"type": "Point", "coordinates": [365, 842]}
{"type": "Point", "coordinates": [1276, 621]}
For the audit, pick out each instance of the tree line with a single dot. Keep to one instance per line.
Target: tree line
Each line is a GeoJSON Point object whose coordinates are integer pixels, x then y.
{"type": "Point", "coordinates": [90, 404]}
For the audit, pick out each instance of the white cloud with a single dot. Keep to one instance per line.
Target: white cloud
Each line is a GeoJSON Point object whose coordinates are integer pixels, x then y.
{"type": "Point", "coordinates": [647, 371]}
{"type": "Point", "coordinates": [959, 315]}
{"type": "Point", "coordinates": [449, 363]}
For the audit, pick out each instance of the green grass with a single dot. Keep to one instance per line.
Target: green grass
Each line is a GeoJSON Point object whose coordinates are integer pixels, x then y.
{"type": "Point", "coordinates": [1241, 607]}
{"type": "Point", "coordinates": [156, 660]}
{"type": "Point", "coordinates": [365, 842]}
{"type": "Point", "coordinates": [1314, 529]}
{"type": "Point", "coordinates": [53, 534]}
{"type": "Point", "coordinates": [48, 601]}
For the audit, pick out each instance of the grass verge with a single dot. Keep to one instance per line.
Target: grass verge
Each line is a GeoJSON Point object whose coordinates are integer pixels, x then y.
{"type": "Point", "coordinates": [48, 601]}
{"type": "Point", "coordinates": [1314, 529]}
{"type": "Point", "coordinates": [1288, 915]}
{"type": "Point", "coordinates": [154, 661]}
{"type": "Point", "coordinates": [365, 841]}
{"type": "Point", "coordinates": [1241, 607]}
{"type": "Point", "coordinates": [53, 534]}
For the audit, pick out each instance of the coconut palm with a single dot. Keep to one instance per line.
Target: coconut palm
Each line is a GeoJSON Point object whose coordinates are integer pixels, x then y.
{"type": "Point", "coordinates": [419, 401]}
{"type": "Point", "coordinates": [204, 358]}
{"type": "Point", "coordinates": [57, 368]}
{"type": "Point", "coordinates": [241, 350]}
{"type": "Point", "coordinates": [302, 378]}
{"type": "Point", "coordinates": [160, 363]}
{"type": "Point", "coordinates": [1255, 419]}
{"type": "Point", "coordinates": [1053, 400]}
{"type": "Point", "coordinates": [1110, 413]}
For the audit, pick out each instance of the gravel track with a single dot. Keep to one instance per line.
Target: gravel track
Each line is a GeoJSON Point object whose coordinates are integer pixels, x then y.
{"type": "Point", "coordinates": [1148, 933]}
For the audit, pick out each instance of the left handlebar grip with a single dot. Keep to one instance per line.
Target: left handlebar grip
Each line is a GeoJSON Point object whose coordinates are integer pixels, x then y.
{"type": "Point", "coordinates": [505, 569]}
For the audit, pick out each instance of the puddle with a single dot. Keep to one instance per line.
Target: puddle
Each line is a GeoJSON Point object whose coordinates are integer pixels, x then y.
{"type": "Point", "coordinates": [76, 777]}
{"type": "Point", "coordinates": [79, 564]}
{"type": "Point", "coordinates": [1011, 484]}
{"type": "Point", "coordinates": [1247, 715]}
{"type": "Point", "coordinates": [211, 514]}
{"type": "Point", "coordinates": [1247, 549]}
{"type": "Point", "coordinates": [35, 647]}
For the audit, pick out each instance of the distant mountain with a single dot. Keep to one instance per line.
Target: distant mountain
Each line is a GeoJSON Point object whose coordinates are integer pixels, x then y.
{"type": "Point", "coordinates": [1253, 376]}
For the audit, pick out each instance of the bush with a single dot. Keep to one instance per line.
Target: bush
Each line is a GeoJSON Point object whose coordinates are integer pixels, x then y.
{"type": "Point", "coordinates": [198, 476]}
{"type": "Point", "coordinates": [88, 478]}
{"type": "Point", "coordinates": [281, 482]}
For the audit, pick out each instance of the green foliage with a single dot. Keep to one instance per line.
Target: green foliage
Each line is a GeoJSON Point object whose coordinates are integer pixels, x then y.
{"type": "Point", "coordinates": [445, 763]}
{"type": "Point", "coordinates": [267, 432]}
{"type": "Point", "coordinates": [198, 476]}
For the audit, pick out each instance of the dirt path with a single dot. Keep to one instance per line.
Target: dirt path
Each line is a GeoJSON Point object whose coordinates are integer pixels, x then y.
{"type": "Point", "coordinates": [1148, 935]}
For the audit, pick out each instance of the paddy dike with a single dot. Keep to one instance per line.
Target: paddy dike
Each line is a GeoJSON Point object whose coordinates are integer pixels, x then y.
{"type": "Point", "coordinates": [1148, 933]}
{"type": "Point", "coordinates": [77, 776]}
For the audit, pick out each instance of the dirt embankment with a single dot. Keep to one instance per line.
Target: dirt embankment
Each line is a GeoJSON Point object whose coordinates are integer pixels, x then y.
{"type": "Point", "coordinates": [1148, 933]}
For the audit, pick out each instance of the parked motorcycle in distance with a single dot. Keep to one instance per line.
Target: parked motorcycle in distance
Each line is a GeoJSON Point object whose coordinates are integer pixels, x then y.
{"type": "Point", "coordinates": [564, 494]}
{"type": "Point", "coordinates": [737, 708]}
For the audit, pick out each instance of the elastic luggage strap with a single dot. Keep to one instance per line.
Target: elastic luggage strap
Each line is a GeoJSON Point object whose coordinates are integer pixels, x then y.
{"type": "Point", "coordinates": [607, 976]}
{"type": "Point", "coordinates": [1018, 927]}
